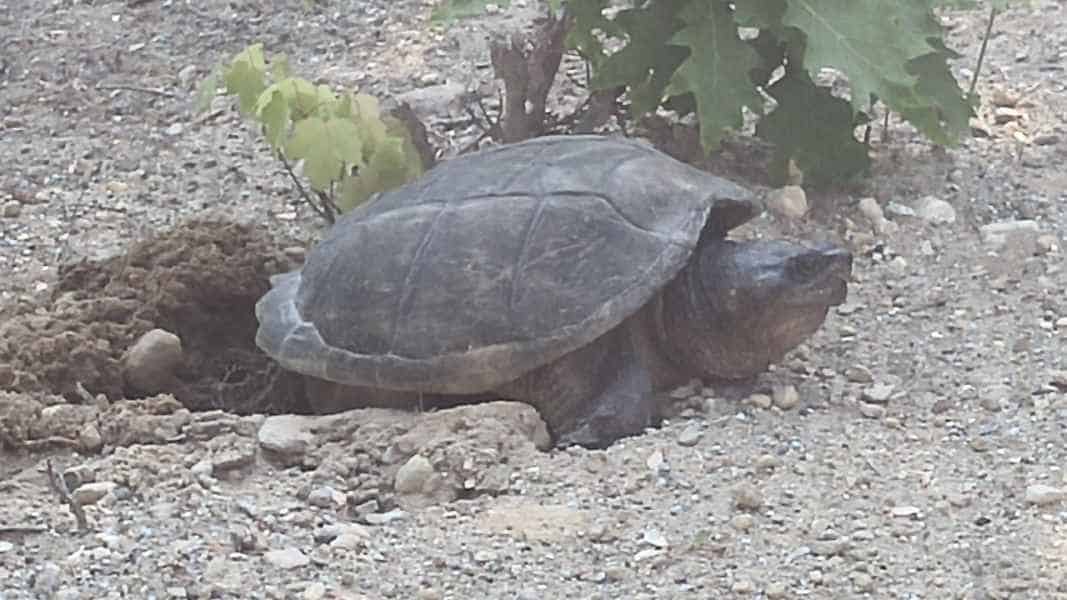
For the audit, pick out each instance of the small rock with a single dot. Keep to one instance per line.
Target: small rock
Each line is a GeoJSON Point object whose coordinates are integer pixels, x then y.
{"type": "Point", "coordinates": [1046, 139]}
{"type": "Point", "coordinates": [1043, 495]}
{"type": "Point", "coordinates": [288, 558]}
{"type": "Point", "coordinates": [878, 393]}
{"type": "Point", "coordinates": [186, 76]}
{"type": "Point", "coordinates": [6, 547]}
{"type": "Point", "coordinates": [743, 522]}
{"type": "Point", "coordinates": [870, 209]}
{"type": "Point", "coordinates": [286, 436]}
{"type": "Point", "coordinates": [315, 591]}
{"type": "Point", "coordinates": [742, 586]}
{"type": "Point", "coordinates": [690, 436]}
{"type": "Point", "coordinates": [385, 517]}
{"type": "Point", "coordinates": [647, 554]}
{"type": "Point", "coordinates": [1003, 97]}
{"type": "Point", "coordinates": [859, 374]}
{"type": "Point", "coordinates": [655, 538]}
{"type": "Point", "coordinates": [761, 401]}
{"type": "Point", "coordinates": [935, 210]}
{"type": "Point", "coordinates": [414, 475]}
{"type": "Point", "coordinates": [12, 209]}
{"type": "Point", "coordinates": [872, 411]}
{"type": "Point", "coordinates": [657, 462]}
{"type": "Point", "coordinates": [174, 129]}
{"type": "Point", "coordinates": [786, 397]}
{"type": "Point", "coordinates": [790, 202]}
{"type": "Point", "coordinates": [151, 361]}
{"type": "Point", "coordinates": [747, 497]}
{"type": "Point", "coordinates": [433, 99]}
{"type": "Point", "coordinates": [1059, 379]}
{"type": "Point", "coordinates": [326, 497]}
{"type": "Point", "coordinates": [1019, 235]}
{"type": "Point", "coordinates": [93, 492]}
{"type": "Point", "coordinates": [775, 591]}
{"type": "Point", "coordinates": [1047, 244]}
{"type": "Point", "coordinates": [1004, 114]}
{"type": "Point", "coordinates": [905, 511]}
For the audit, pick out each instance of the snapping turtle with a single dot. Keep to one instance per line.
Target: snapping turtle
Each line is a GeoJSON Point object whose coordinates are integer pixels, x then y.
{"type": "Point", "coordinates": [579, 274]}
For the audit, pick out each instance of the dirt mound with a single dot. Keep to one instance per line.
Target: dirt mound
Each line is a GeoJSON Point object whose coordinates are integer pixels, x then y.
{"type": "Point", "coordinates": [199, 280]}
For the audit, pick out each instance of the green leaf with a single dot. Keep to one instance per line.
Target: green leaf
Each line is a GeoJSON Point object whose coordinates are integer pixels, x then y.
{"type": "Point", "coordinates": [207, 90]}
{"type": "Point", "coordinates": [246, 77]}
{"type": "Point", "coordinates": [588, 18]}
{"type": "Point", "coordinates": [647, 63]}
{"type": "Point", "coordinates": [272, 110]}
{"type": "Point", "coordinates": [716, 71]}
{"type": "Point", "coordinates": [388, 168]}
{"type": "Point", "coordinates": [326, 147]}
{"type": "Point", "coordinates": [870, 41]}
{"type": "Point", "coordinates": [813, 128]}
{"type": "Point", "coordinates": [763, 14]}
{"type": "Point", "coordinates": [451, 10]}
{"type": "Point", "coordinates": [279, 67]}
{"type": "Point", "coordinates": [935, 105]}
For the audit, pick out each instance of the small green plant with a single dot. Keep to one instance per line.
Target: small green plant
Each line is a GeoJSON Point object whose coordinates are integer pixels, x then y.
{"type": "Point", "coordinates": [717, 59]}
{"type": "Point", "coordinates": [348, 149]}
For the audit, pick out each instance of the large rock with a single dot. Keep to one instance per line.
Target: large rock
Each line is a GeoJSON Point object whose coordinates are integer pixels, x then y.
{"type": "Point", "coordinates": [151, 362]}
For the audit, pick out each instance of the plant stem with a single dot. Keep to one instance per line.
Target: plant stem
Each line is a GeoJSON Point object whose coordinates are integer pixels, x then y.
{"type": "Point", "coordinates": [981, 51]}
{"type": "Point", "coordinates": [323, 211]}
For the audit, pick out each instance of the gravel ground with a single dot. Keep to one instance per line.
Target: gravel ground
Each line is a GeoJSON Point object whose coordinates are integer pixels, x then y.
{"type": "Point", "coordinates": [913, 449]}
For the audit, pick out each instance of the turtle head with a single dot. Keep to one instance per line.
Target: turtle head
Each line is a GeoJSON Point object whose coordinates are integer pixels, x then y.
{"type": "Point", "coordinates": [750, 302]}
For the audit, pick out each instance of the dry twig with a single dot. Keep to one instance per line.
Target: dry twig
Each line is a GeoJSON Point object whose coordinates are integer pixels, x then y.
{"type": "Point", "coordinates": [59, 486]}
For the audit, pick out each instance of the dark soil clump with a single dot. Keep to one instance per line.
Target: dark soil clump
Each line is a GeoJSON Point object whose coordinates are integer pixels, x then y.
{"type": "Point", "coordinates": [200, 281]}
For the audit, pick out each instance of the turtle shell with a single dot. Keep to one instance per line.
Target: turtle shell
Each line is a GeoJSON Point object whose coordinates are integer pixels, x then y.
{"type": "Point", "coordinates": [493, 264]}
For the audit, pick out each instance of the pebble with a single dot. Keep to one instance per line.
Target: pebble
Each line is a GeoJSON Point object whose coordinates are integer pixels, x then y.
{"type": "Point", "coordinates": [1005, 114]}
{"type": "Point", "coordinates": [93, 492]}
{"type": "Point", "coordinates": [747, 497]}
{"type": "Point", "coordinates": [646, 554]}
{"type": "Point", "coordinates": [786, 397]}
{"type": "Point", "coordinates": [905, 511]}
{"type": "Point", "coordinates": [742, 522]}
{"type": "Point", "coordinates": [760, 401]}
{"type": "Point", "coordinates": [870, 209]}
{"type": "Point", "coordinates": [775, 590]}
{"type": "Point", "coordinates": [655, 538]}
{"type": "Point", "coordinates": [1043, 495]}
{"type": "Point", "coordinates": [1017, 235]}
{"type": "Point", "coordinates": [287, 558]}
{"type": "Point", "coordinates": [288, 436]}
{"type": "Point", "coordinates": [872, 411]}
{"type": "Point", "coordinates": [12, 209]}
{"type": "Point", "coordinates": [935, 210]}
{"type": "Point", "coordinates": [859, 374]}
{"type": "Point", "coordinates": [690, 436]}
{"type": "Point", "coordinates": [1058, 378]}
{"type": "Point", "coordinates": [414, 475]}
{"type": "Point", "coordinates": [326, 497]}
{"type": "Point", "coordinates": [878, 393]}
{"type": "Point", "coordinates": [742, 586]}
{"type": "Point", "coordinates": [1047, 244]}
{"type": "Point", "coordinates": [789, 201]}
{"type": "Point", "coordinates": [314, 591]}
{"type": "Point", "coordinates": [385, 517]}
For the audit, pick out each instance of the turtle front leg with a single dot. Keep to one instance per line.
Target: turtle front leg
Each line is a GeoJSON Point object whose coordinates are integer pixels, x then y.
{"type": "Point", "coordinates": [626, 406]}
{"type": "Point", "coordinates": [594, 395]}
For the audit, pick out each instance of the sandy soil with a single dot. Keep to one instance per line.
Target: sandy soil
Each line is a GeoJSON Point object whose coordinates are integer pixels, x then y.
{"type": "Point", "coordinates": [922, 455]}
